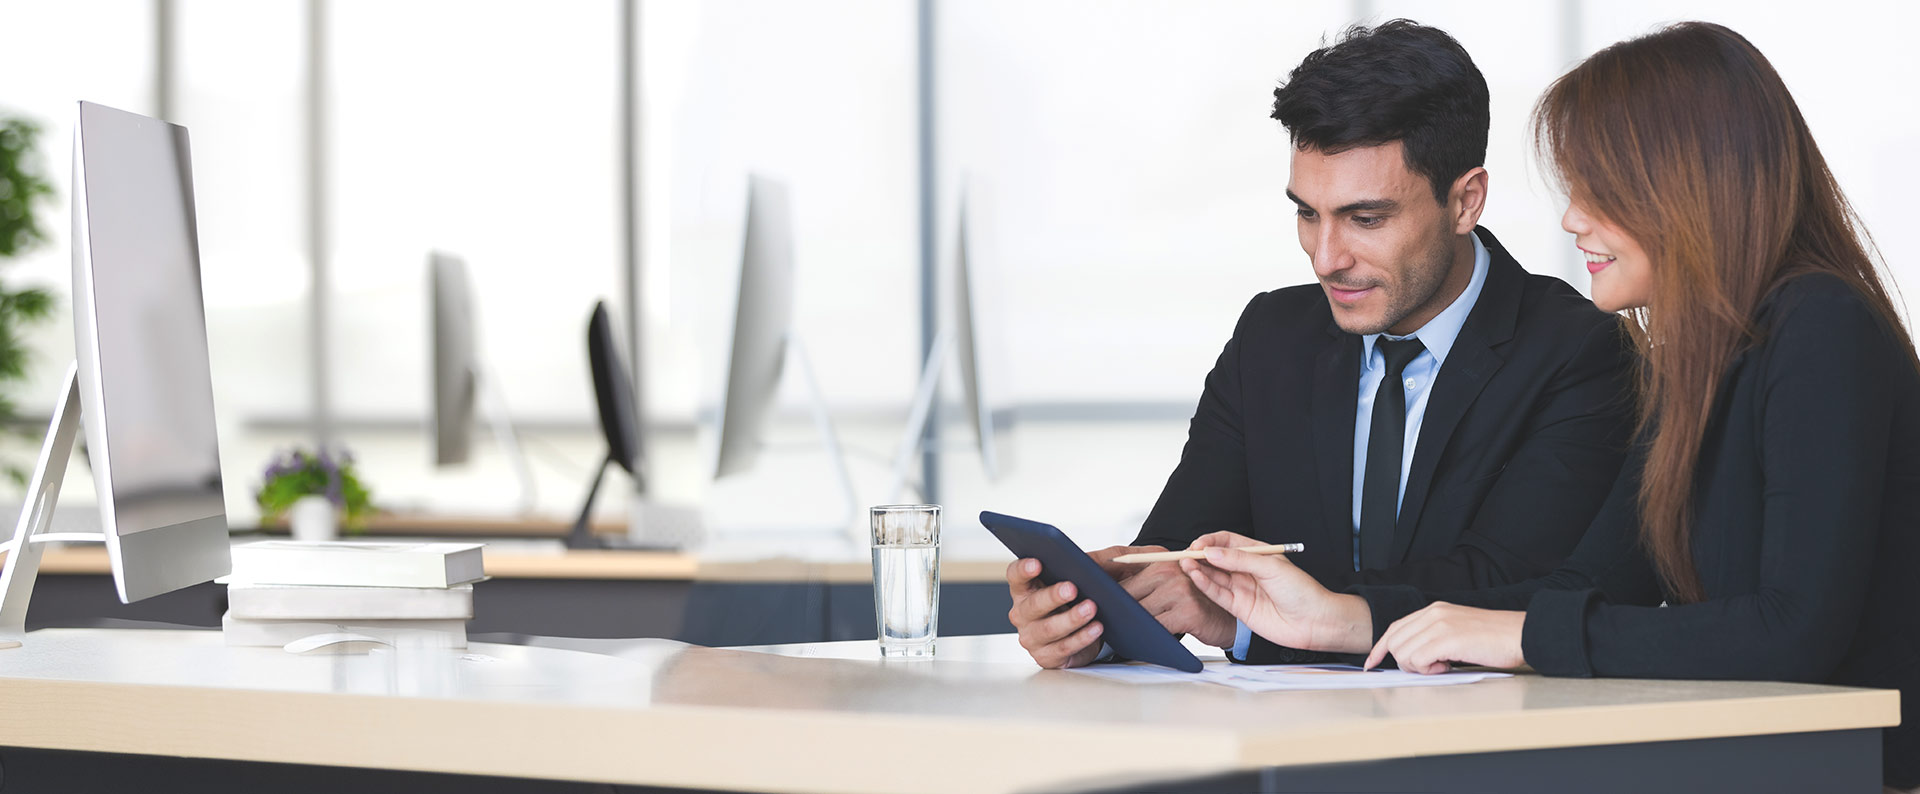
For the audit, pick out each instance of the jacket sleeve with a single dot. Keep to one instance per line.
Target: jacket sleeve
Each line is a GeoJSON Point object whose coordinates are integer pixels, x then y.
{"type": "Point", "coordinates": [1207, 491]}
{"type": "Point", "coordinates": [1607, 562]}
{"type": "Point", "coordinates": [1825, 420]}
{"type": "Point", "coordinates": [1546, 496]}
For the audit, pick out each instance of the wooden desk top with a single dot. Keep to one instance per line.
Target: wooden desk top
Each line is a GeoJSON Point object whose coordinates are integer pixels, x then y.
{"type": "Point", "coordinates": [813, 718]}
{"type": "Point", "coordinates": [516, 562]}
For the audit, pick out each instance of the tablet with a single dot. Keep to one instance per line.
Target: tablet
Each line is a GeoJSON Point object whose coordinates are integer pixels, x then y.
{"type": "Point", "coordinates": [1129, 630]}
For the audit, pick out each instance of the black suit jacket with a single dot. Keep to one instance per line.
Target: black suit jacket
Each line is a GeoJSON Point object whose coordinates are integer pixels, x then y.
{"type": "Point", "coordinates": [1524, 433]}
{"type": "Point", "coordinates": [1806, 530]}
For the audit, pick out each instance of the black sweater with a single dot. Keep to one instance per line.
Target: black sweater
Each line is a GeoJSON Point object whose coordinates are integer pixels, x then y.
{"type": "Point", "coordinates": [1806, 531]}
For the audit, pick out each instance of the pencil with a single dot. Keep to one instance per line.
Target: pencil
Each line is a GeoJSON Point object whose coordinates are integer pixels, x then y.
{"type": "Point", "coordinates": [1201, 554]}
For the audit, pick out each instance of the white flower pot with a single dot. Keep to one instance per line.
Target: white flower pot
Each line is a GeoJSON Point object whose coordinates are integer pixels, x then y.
{"type": "Point", "coordinates": [312, 518]}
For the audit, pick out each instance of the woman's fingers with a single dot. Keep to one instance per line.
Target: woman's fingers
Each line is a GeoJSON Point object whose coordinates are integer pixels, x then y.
{"type": "Point", "coordinates": [1392, 640]}
{"type": "Point", "coordinates": [1418, 644]}
{"type": "Point", "coordinates": [1376, 656]}
{"type": "Point", "coordinates": [1258, 566]}
{"type": "Point", "coordinates": [1217, 577]}
{"type": "Point", "coordinates": [1214, 584]}
{"type": "Point", "coordinates": [1223, 538]}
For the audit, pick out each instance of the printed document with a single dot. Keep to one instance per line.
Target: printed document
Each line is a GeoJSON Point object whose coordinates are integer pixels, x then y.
{"type": "Point", "coordinates": [1277, 677]}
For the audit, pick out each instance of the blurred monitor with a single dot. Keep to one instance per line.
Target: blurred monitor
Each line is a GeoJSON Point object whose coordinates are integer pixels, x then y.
{"type": "Point", "coordinates": [762, 316]}
{"type": "Point", "coordinates": [146, 388]}
{"type": "Point", "coordinates": [454, 387]}
{"type": "Point", "coordinates": [762, 338]}
{"type": "Point", "coordinates": [613, 394]}
{"type": "Point", "coordinates": [459, 377]}
{"type": "Point", "coordinates": [966, 339]}
{"type": "Point", "coordinates": [959, 336]}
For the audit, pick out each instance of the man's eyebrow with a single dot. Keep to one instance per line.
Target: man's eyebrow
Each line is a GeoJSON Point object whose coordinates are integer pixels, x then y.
{"type": "Point", "coordinates": [1368, 205]}
{"type": "Point", "coordinates": [1365, 205]}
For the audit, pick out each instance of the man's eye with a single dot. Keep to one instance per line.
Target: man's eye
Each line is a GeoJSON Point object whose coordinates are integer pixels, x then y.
{"type": "Point", "coordinates": [1305, 214]}
{"type": "Point", "coordinates": [1368, 221]}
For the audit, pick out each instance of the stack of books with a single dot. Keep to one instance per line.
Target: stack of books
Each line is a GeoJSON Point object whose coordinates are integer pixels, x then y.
{"type": "Point", "coordinates": [284, 591]}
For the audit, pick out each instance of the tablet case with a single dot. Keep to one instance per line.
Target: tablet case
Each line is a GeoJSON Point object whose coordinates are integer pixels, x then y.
{"type": "Point", "coordinates": [1130, 631]}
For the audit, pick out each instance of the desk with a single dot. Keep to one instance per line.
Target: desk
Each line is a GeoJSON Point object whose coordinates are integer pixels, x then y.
{"type": "Point", "coordinates": [531, 561]}
{"type": "Point", "coordinates": [548, 590]}
{"type": "Point", "coordinates": [830, 718]}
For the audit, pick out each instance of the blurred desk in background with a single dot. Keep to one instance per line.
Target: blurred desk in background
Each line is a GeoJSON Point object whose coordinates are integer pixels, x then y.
{"type": "Point", "coordinates": [541, 588]}
{"type": "Point", "coordinates": [493, 526]}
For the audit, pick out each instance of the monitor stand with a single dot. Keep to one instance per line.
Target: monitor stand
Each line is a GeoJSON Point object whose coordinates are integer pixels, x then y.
{"type": "Point", "coordinates": [36, 515]}
{"type": "Point", "coordinates": [502, 420]}
{"type": "Point", "coordinates": [919, 415]}
{"type": "Point", "coordinates": [684, 525]}
{"type": "Point", "coordinates": [582, 537]}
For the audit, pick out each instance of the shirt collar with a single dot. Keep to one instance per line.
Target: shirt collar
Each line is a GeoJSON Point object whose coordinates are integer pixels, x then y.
{"type": "Point", "coordinates": [1440, 332]}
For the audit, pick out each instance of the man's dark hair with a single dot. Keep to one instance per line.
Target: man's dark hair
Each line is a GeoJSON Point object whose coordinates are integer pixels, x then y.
{"type": "Point", "coordinates": [1400, 81]}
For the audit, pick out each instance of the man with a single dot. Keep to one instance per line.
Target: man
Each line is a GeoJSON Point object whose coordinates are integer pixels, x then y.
{"type": "Point", "coordinates": [1427, 414]}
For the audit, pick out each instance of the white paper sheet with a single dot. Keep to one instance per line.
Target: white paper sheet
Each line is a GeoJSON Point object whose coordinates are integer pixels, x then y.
{"type": "Point", "coordinates": [1278, 677]}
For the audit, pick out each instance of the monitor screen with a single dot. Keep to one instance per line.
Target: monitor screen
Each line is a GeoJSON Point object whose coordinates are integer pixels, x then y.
{"type": "Point", "coordinates": [146, 387]}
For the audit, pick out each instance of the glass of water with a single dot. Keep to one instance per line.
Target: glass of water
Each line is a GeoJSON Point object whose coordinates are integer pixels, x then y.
{"type": "Point", "coordinates": [906, 578]}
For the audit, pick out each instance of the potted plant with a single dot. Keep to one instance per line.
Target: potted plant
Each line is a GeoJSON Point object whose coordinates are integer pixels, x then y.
{"type": "Point", "coordinates": [22, 190]}
{"type": "Point", "coordinates": [314, 491]}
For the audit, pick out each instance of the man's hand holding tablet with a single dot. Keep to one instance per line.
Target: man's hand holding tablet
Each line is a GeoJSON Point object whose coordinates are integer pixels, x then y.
{"type": "Point", "coordinates": [1058, 632]}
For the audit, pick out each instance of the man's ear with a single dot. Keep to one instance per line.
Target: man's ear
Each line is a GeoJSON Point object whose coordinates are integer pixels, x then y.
{"type": "Point", "coordinates": [1467, 199]}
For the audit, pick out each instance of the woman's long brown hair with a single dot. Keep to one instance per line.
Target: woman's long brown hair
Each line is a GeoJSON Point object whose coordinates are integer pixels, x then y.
{"type": "Point", "coordinates": [1688, 140]}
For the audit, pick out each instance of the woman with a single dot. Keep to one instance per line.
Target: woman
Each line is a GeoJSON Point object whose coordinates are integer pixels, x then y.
{"type": "Point", "coordinates": [1772, 498]}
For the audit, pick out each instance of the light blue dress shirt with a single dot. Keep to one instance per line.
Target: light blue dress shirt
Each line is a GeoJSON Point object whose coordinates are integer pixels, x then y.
{"type": "Point", "coordinates": [1437, 336]}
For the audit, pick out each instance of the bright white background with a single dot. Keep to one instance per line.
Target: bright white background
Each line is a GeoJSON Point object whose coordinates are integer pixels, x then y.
{"type": "Point", "coordinates": [1124, 179]}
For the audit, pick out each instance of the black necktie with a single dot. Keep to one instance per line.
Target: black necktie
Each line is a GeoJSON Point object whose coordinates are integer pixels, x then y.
{"type": "Point", "coordinates": [1386, 441]}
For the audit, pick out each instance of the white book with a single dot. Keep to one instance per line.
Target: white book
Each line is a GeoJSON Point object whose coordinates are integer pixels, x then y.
{"type": "Point", "coordinates": [356, 564]}
{"type": "Point", "coordinates": [320, 602]}
{"type": "Point", "coordinates": [240, 632]}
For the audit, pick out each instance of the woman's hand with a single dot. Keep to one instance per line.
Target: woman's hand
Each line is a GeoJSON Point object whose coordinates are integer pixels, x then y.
{"type": "Point", "coordinates": [1277, 600]}
{"type": "Point", "coordinates": [1432, 639]}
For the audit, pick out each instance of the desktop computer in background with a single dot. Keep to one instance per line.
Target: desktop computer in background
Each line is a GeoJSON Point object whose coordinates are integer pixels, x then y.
{"type": "Point", "coordinates": [142, 386]}
{"type": "Point", "coordinates": [459, 379]}
{"type": "Point", "coordinates": [762, 338]}
{"type": "Point", "coordinates": [650, 524]}
{"type": "Point", "coordinates": [959, 336]}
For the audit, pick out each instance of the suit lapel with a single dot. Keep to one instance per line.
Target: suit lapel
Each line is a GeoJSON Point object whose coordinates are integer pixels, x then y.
{"type": "Point", "coordinates": [1336, 389]}
{"type": "Point", "coordinates": [1469, 366]}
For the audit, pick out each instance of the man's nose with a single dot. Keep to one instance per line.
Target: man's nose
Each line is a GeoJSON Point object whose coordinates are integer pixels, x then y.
{"type": "Point", "coordinates": [1331, 253]}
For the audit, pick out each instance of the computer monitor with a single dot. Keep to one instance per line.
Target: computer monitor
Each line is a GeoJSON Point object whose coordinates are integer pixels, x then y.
{"type": "Point", "coordinates": [454, 387]}
{"type": "Point", "coordinates": [613, 394]}
{"type": "Point", "coordinates": [763, 315]}
{"type": "Point", "coordinates": [459, 378]}
{"type": "Point", "coordinates": [959, 335]}
{"type": "Point", "coordinates": [142, 386]}
{"type": "Point", "coordinates": [967, 341]}
{"type": "Point", "coordinates": [763, 336]}
{"type": "Point", "coordinates": [651, 523]}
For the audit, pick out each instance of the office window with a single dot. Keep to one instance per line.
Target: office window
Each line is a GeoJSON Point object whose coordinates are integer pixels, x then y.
{"type": "Point", "coordinates": [821, 96]}
{"type": "Point", "coordinates": [240, 87]}
{"type": "Point", "coordinates": [56, 55]}
{"type": "Point", "coordinates": [1127, 198]}
{"type": "Point", "coordinates": [485, 130]}
{"type": "Point", "coordinates": [1134, 181]}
